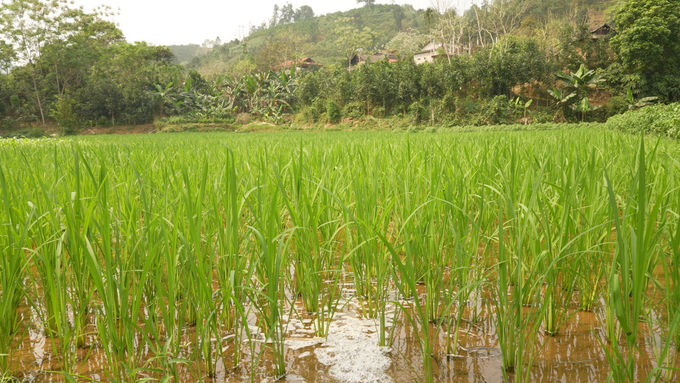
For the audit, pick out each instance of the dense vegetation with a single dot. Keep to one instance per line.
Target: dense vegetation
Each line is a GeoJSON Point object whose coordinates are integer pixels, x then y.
{"type": "Point", "coordinates": [520, 61]}
{"type": "Point", "coordinates": [181, 257]}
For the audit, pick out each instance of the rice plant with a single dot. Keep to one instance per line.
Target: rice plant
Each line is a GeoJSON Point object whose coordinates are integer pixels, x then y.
{"type": "Point", "coordinates": [635, 259]}
{"type": "Point", "coordinates": [18, 217]}
{"type": "Point", "coordinates": [184, 257]}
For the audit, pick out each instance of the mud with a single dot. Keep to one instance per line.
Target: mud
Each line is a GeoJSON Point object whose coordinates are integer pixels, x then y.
{"type": "Point", "coordinates": [351, 354]}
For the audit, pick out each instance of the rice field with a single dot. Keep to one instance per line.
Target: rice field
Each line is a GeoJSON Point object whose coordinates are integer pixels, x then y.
{"type": "Point", "coordinates": [335, 257]}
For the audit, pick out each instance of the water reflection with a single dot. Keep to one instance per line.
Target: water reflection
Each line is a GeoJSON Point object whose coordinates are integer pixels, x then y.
{"type": "Point", "coordinates": [575, 354]}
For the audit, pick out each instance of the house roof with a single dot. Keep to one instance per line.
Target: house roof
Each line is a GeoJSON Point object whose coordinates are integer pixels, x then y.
{"type": "Point", "coordinates": [303, 63]}
{"type": "Point", "coordinates": [602, 30]}
{"type": "Point", "coordinates": [375, 57]}
{"type": "Point", "coordinates": [433, 46]}
{"type": "Point", "coordinates": [362, 58]}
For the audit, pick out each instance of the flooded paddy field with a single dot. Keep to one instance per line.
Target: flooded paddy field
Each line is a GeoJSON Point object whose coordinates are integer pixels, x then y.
{"type": "Point", "coordinates": [493, 257]}
{"type": "Point", "coordinates": [351, 353]}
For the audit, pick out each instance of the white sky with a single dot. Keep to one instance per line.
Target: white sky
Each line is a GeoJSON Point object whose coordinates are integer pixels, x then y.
{"type": "Point", "coordinates": [175, 22]}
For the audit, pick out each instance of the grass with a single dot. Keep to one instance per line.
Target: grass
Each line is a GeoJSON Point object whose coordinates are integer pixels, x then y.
{"type": "Point", "coordinates": [184, 256]}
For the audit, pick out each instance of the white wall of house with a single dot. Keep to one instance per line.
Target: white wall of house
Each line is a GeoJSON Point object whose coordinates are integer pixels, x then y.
{"type": "Point", "coordinates": [424, 57]}
{"type": "Point", "coordinates": [430, 51]}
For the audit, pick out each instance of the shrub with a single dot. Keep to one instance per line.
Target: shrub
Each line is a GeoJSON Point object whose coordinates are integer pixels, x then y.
{"type": "Point", "coordinates": [9, 123]}
{"type": "Point", "coordinates": [160, 124]}
{"type": "Point", "coordinates": [663, 120]}
{"type": "Point", "coordinates": [333, 112]}
{"type": "Point", "coordinates": [354, 109]}
{"type": "Point", "coordinates": [172, 129]}
{"type": "Point", "coordinates": [379, 112]}
{"type": "Point", "coordinates": [307, 115]}
{"type": "Point", "coordinates": [417, 111]}
{"type": "Point", "coordinates": [64, 113]}
{"type": "Point", "coordinates": [498, 111]}
{"type": "Point", "coordinates": [466, 110]}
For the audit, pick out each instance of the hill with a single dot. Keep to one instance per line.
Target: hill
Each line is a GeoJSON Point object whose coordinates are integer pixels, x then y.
{"type": "Point", "coordinates": [330, 39]}
{"type": "Point", "coordinates": [184, 54]}
{"type": "Point", "coordinates": [321, 38]}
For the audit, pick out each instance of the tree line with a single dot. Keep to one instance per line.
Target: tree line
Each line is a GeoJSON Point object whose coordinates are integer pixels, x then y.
{"type": "Point", "coordinates": [63, 65]}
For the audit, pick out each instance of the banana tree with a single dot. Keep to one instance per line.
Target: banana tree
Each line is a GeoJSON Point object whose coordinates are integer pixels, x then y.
{"type": "Point", "coordinates": [564, 99]}
{"type": "Point", "coordinates": [635, 104]}
{"type": "Point", "coordinates": [163, 94]}
{"type": "Point", "coordinates": [581, 81]}
{"type": "Point", "coordinates": [575, 92]}
{"type": "Point", "coordinates": [583, 107]}
{"type": "Point", "coordinates": [524, 107]}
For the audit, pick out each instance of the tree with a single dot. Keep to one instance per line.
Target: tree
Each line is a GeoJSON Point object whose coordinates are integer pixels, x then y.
{"type": "Point", "coordinates": [7, 56]}
{"type": "Point", "coordinates": [47, 36]}
{"type": "Point", "coordinates": [304, 12]}
{"type": "Point", "coordinates": [449, 26]}
{"type": "Point", "coordinates": [279, 47]}
{"type": "Point", "coordinates": [350, 39]}
{"type": "Point", "coordinates": [575, 95]}
{"type": "Point", "coordinates": [28, 26]}
{"type": "Point", "coordinates": [399, 16]}
{"type": "Point", "coordinates": [274, 21]}
{"type": "Point", "coordinates": [513, 61]}
{"type": "Point", "coordinates": [407, 42]}
{"type": "Point", "coordinates": [287, 14]}
{"type": "Point", "coordinates": [121, 84]}
{"type": "Point", "coordinates": [648, 47]}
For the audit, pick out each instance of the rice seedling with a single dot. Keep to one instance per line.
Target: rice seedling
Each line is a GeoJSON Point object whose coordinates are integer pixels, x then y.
{"type": "Point", "coordinates": [318, 266]}
{"type": "Point", "coordinates": [518, 269]}
{"type": "Point", "coordinates": [18, 217]}
{"type": "Point", "coordinates": [233, 267]}
{"type": "Point", "coordinates": [271, 259]}
{"type": "Point", "coordinates": [634, 260]}
{"type": "Point", "coordinates": [517, 327]}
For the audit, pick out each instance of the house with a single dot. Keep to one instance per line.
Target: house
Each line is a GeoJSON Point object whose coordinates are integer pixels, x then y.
{"type": "Point", "coordinates": [433, 49]}
{"type": "Point", "coordinates": [602, 32]}
{"type": "Point", "coordinates": [306, 63]}
{"type": "Point", "coordinates": [358, 59]}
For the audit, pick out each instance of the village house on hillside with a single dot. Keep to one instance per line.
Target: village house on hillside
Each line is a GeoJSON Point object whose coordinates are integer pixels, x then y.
{"type": "Point", "coordinates": [434, 49]}
{"type": "Point", "coordinates": [305, 63]}
{"type": "Point", "coordinates": [358, 59]}
{"type": "Point", "coordinates": [604, 31]}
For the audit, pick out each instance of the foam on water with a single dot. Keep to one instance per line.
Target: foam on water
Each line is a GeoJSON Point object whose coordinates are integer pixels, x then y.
{"type": "Point", "coordinates": [353, 353]}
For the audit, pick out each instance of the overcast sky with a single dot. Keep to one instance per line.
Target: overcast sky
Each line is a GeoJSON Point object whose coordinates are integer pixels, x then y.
{"type": "Point", "coordinates": [174, 22]}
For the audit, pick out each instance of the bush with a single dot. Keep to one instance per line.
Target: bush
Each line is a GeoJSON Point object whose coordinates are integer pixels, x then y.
{"type": "Point", "coordinates": [160, 124]}
{"type": "Point", "coordinates": [542, 115]}
{"type": "Point", "coordinates": [354, 109]}
{"type": "Point", "coordinates": [379, 112]}
{"type": "Point", "coordinates": [64, 113]}
{"type": "Point", "coordinates": [663, 120]}
{"type": "Point", "coordinates": [417, 111]}
{"type": "Point", "coordinates": [333, 112]}
{"type": "Point", "coordinates": [26, 133]}
{"type": "Point", "coordinates": [617, 105]}
{"type": "Point", "coordinates": [466, 110]}
{"type": "Point", "coordinates": [9, 123]}
{"type": "Point", "coordinates": [172, 129]}
{"type": "Point", "coordinates": [308, 115]}
{"type": "Point", "coordinates": [498, 111]}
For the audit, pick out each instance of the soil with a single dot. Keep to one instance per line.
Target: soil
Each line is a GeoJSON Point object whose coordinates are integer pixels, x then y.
{"type": "Point", "coordinates": [350, 354]}
{"type": "Point", "coordinates": [127, 129]}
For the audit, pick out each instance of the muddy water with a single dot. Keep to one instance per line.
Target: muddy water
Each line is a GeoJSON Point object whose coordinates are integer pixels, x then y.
{"type": "Point", "coordinates": [351, 354]}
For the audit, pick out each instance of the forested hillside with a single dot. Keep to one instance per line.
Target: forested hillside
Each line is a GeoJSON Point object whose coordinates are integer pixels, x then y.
{"type": "Point", "coordinates": [330, 39]}
{"type": "Point", "coordinates": [184, 54]}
